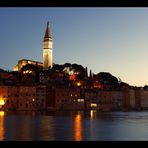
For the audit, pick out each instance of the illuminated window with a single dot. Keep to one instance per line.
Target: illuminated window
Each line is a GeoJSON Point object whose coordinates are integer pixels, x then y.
{"type": "Point", "coordinates": [80, 100]}
{"type": "Point", "coordinates": [78, 84]}
{"type": "Point", "coordinates": [93, 105]}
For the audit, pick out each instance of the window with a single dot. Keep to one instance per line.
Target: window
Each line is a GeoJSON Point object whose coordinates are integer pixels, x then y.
{"type": "Point", "coordinates": [80, 100]}
{"type": "Point", "coordinates": [93, 105]}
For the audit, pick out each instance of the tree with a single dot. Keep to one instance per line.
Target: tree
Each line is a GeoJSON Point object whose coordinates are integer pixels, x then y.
{"type": "Point", "coordinates": [17, 74]}
{"type": "Point", "coordinates": [123, 85]}
{"type": "Point", "coordinates": [90, 74]}
{"type": "Point", "coordinates": [86, 72]}
{"type": "Point", "coordinates": [57, 67]}
{"type": "Point", "coordinates": [66, 65]}
{"type": "Point", "coordinates": [107, 79]}
{"type": "Point", "coordinates": [28, 67]}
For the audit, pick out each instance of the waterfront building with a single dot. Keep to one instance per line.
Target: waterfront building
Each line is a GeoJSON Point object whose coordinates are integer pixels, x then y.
{"type": "Point", "coordinates": [132, 98]}
{"type": "Point", "coordinates": [64, 98]}
{"type": "Point", "coordinates": [40, 99]}
{"type": "Point", "coordinates": [27, 97]}
{"type": "Point", "coordinates": [144, 99]}
{"type": "Point", "coordinates": [117, 98]}
{"type": "Point", "coordinates": [9, 97]}
{"type": "Point", "coordinates": [138, 97]}
{"type": "Point", "coordinates": [3, 96]}
{"type": "Point", "coordinates": [91, 101]}
{"type": "Point", "coordinates": [32, 97]}
{"type": "Point", "coordinates": [12, 98]}
{"type": "Point", "coordinates": [103, 100]}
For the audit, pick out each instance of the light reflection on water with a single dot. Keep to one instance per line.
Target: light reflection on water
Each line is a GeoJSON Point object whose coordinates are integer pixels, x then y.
{"type": "Point", "coordinates": [78, 127]}
{"type": "Point", "coordinates": [2, 113]}
{"type": "Point", "coordinates": [74, 126]}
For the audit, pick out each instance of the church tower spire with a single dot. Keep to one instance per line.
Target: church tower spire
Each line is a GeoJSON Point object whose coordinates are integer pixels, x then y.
{"type": "Point", "coordinates": [48, 32]}
{"type": "Point", "coordinates": [47, 48]}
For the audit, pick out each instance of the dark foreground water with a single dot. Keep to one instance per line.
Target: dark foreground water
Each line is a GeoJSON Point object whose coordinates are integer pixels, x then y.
{"type": "Point", "coordinates": [74, 126]}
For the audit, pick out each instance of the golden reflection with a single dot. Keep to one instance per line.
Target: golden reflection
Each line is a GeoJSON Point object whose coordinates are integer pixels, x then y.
{"type": "Point", "coordinates": [78, 128]}
{"type": "Point", "coordinates": [2, 102]}
{"type": "Point", "coordinates": [2, 113]}
{"type": "Point", "coordinates": [92, 114]}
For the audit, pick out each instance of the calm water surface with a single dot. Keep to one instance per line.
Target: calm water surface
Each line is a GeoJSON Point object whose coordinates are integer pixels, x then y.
{"type": "Point", "coordinates": [74, 126]}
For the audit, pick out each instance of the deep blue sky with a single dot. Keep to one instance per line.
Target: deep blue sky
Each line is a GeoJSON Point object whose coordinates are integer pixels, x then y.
{"type": "Point", "coordinates": [112, 40]}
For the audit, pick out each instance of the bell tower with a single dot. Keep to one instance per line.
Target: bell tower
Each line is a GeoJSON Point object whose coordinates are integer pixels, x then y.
{"type": "Point", "coordinates": [47, 48]}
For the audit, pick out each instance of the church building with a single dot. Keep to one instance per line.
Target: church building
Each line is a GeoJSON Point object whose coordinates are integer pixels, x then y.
{"type": "Point", "coordinates": [47, 53]}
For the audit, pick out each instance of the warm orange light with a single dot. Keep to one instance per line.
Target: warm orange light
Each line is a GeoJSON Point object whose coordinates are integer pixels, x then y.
{"type": "Point", "coordinates": [33, 99]}
{"type": "Point", "coordinates": [2, 113]}
{"type": "Point", "coordinates": [80, 100]}
{"type": "Point", "coordinates": [2, 130]}
{"type": "Point", "coordinates": [92, 114]}
{"type": "Point", "coordinates": [27, 71]}
{"type": "Point", "coordinates": [2, 102]}
{"type": "Point", "coordinates": [97, 86]}
{"type": "Point", "coordinates": [72, 77]}
{"type": "Point", "coordinates": [78, 84]}
{"type": "Point", "coordinates": [93, 105]}
{"type": "Point", "coordinates": [77, 128]}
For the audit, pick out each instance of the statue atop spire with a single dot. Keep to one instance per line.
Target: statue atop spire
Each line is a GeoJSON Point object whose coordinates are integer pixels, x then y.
{"type": "Point", "coordinates": [47, 33]}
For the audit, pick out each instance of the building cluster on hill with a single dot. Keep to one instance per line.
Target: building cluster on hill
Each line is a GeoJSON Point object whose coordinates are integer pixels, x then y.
{"type": "Point", "coordinates": [33, 85]}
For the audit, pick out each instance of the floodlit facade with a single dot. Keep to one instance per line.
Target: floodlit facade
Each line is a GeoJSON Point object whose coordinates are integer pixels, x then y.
{"type": "Point", "coordinates": [47, 53]}
{"type": "Point", "coordinates": [47, 49]}
{"type": "Point", "coordinates": [24, 62]}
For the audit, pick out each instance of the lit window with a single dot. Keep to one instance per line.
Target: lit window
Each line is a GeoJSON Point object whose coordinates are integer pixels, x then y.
{"type": "Point", "coordinates": [80, 100]}
{"type": "Point", "coordinates": [78, 84]}
{"type": "Point", "coordinates": [93, 105]}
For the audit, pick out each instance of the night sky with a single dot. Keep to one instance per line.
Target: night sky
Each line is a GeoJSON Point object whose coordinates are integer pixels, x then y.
{"type": "Point", "coordinates": [111, 40]}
